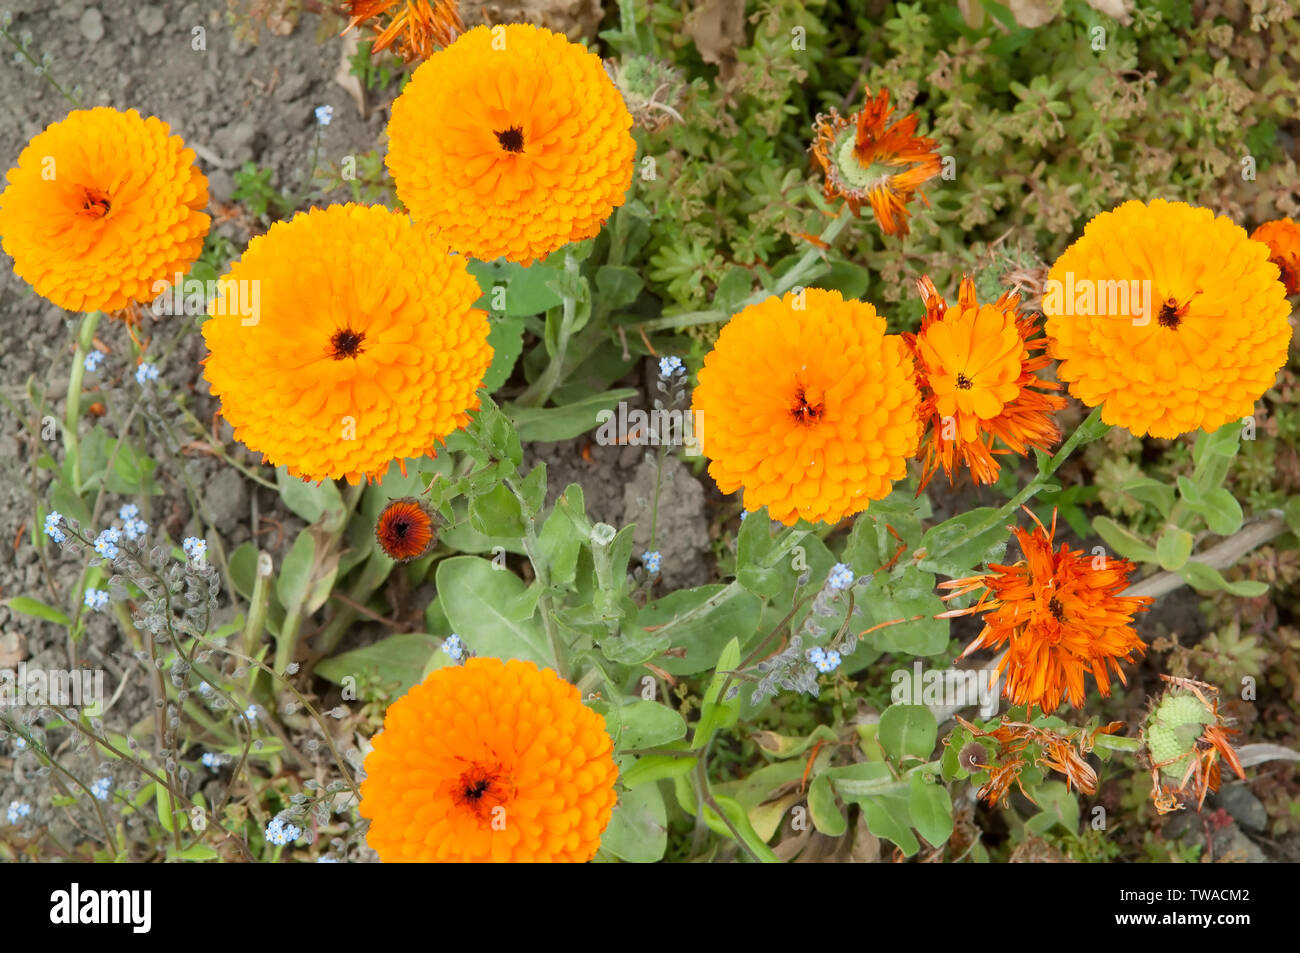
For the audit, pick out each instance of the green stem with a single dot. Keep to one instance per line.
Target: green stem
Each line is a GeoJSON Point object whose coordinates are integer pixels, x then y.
{"type": "Point", "coordinates": [85, 339]}
{"type": "Point", "coordinates": [542, 577]}
{"type": "Point", "coordinates": [802, 270]}
{"type": "Point", "coordinates": [540, 390]}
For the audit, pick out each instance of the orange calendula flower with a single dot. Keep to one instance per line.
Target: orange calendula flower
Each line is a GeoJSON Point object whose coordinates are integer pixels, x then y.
{"type": "Point", "coordinates": [1168, 317]}
{"type": "Point", "coordinates": [867, 161]}
{"type": "Point", "coordinates": [978, 373]}
{"type": "Point", "coordinates": [1060, 614]}
{"type": "Point", "coordinates": [1283, 240]}
{"type": "Point", "coordinates": [415, 30]}
{"type": "Point", "coordinates": [104, 209]}
{"type": "Point", "coordinates": [809, 405]}
{"type": "Point", "coordinates": [405, 529]}
{"type": "Point", "coordinates": [345, 339]}
{"type": "Point", "coordinates": [489, 761]}
{"type": "Point", "coordinates": [512, 142]}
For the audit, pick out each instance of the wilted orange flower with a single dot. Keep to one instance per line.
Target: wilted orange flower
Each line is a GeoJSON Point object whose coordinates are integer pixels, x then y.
{"type": "Point", "coordinates": [489, 761]}
{"type": "Point", "coordinates": [979, 382]}
{"type": "Point", "coordinates": [1168, 317]}
{"type": "Point", "coordinates": [809, 405]}
{"type": "Point", "coordinates": [362, 347]}
{"type": "Point", "coordinates": [419, 27]}
{"type": "Point", "coordinates": [867, 161]}
{"type": "Point", "coordinates": [103, 209]}
{"type": "Point", "coordinates": [1186, 737]}
{"type": "Point", "coordinates": [1283, 240]}
{"type": "Point", "coordinates": [1062, 615]}
{"type": "Point", "coordinates": [405, 529]}
{"type": "Point", "coordinates": [513, 142]}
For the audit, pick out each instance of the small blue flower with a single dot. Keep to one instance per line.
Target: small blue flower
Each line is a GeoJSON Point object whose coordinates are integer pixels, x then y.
{"type": "Point", "coordinates": [652, 561]}
{"type": "Point", "coordinates": [135, 529]}
{"type": "Point", "coordinates": [96, 599]}
{"type": "Point", "coordinates": [743, 514]}
{"type": "Point", "coordinates": [93, 360]}
{"type": "Point", "coordinates": [841, 576]}
{"type": "Point", "coordinates": [205, 689]}
{"type": "Point", "coordinates": [52, 521]}
{"type": "Point", "coordinates": [129, 511]}
{"type": "Point", "coordinates": [101, 788]}
{"type": "Point", "coordinates": [816, 653]}
{"type": "Point", "coordinates": [824, 660]}
{"type": "Point", "coordinates": [279, 832]}
{"type": "Point", "coordinates": [324, 114]}
{"type": "Point", "coordinates": [20, 744]}
{"type": "Point", "coordinates": [195, 548]}
{"type": "Point", "coordinates": [327, 860]}
{"type": "Point", "coordinates": [668, 366]}
{"type": "Point", "coordinates": [211, 760]}
{"type": "Point", "coordinates": [832, 660]}
{"type": "Point", "coordinates": [145, 373]}
{"type": "Point", "coordinates": [250, 713]}
{"type": "Point", "coordinates": [453, 646]}
{"type": "Point", "coordinates": [18, 809]}
{"type": "Point", "coordinates": [105, 543]}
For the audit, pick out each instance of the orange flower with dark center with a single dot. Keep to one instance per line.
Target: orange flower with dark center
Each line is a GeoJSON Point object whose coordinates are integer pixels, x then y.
{"type": "Point", "coordinates": [489, 761]}
{"type": "Point", "coordinates": [1167, 337]}
{"type": "Point", "coordinates": [808, 405]}
{"type": "Point", "coordinates": [104, 209]}
{"type": "Point", "coordinates": [1283, 240]}
{"type": "Point", "coordinates": [867, 161]}
{"type": "Point", "coordinates": [1060, 614]}
{"type": "Point", "coordinates": [415, 31]}
{"type": "Point", "coordinates": [978, 373]}
{"type": "Point", "coordinates": [405, 529]}
{"type": "Point", "coordinates": [512, 142]}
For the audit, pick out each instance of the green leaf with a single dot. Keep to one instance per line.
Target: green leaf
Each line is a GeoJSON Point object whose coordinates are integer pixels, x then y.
{"type": "Point", "coordinates": [716, 713]}
{"type": "Point", "coordinates": [826, 814]}
{"type": "Point", "coordinates": [1218, 506]}
{"type": "Point", "coordinates": [1174, 547]}
{"type": "Point", "coordinates": [643, 724]}
{"type": "Point", "coordinates": [34, 607]}
{"type": "Point", "coordinates": [1201, 576]}
{"type": "Point", "coordinates": [296, 572]}
{"type": "Point", "coordinates": [848, 279]}
{"type": "Point", "coordinates": [656, 767]}
{"type": "Point", "coordinates": [473, 594]}
{"type": "Point", "coordinates": [888, 816]}
{"type": "Point", "coordinates": [1058, 805]}
{"type": "Point", "coordinates": [701, 621]}
{"type": "Point", "coordinates": [311, 501]}
{"type": "Point", "coordinates": [397, 660]}
{"type": "Point", "coordinates": [1156, 493]}
{"type": "Point", "coordinates": [506, 338]}
{"type": "Point", "coordinates": [638, 827]}
{"type": "Point", "coordinates": [956, 546]}
{"type": "Point", "coordinates": [527, 290]}
{"type": "Point", "coordinates": [550, 424]}
{"type": "Point", "coordinates": [196, 852]}
{"type": "Point", "coordinates": [163, 799]}
{"type": "Point", "coordinates": [931, 809]}
{"type": "Point", "coordinates": [908, 731]}
{"type": "Point", "coordinates": [907, 595]}
{"type": "Point", "coordinates": [560, 545]}
{"type": "Point", "coordinates": [497, 513]}
{"type": "Point", "coordinates": [733, 288]}
{"type": "Point", "coordinates": [243, 569]}
{"type": "Point", "coordinates": [533, 490]}
{"type": "Point", "coordinates": [618, 285]}
{"type": "Point", "coordinates": [1125, 542]}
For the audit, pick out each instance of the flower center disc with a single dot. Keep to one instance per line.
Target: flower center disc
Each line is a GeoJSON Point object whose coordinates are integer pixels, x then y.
{"type": "Point", "coordinates": [512, 139]}
{"type": "Point", "coordinates": [346, 343]}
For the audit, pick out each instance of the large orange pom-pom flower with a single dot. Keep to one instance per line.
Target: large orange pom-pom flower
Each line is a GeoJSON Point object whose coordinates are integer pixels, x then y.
{"type": "Point", "coordinates": [809, 405]}
{"type": "Point", "coordinates": [490, 761]}
{"type": "Point", "coordinates": [1168, 317]}
{"type": "Point", "coordinates": [1282, 237]}
{"type": "Point", "coordinates": [513, 141]}
{"type": "Point", "coordinates": [979, 380]}
{"type": "Point", "coordinates": [103, 209]}
{"type": "Point", "coordinates": [363, 345]}
{"type": "Point", "coordinates": [1063, 615]}
{"type": "Point", "coordinates": [868, 160]}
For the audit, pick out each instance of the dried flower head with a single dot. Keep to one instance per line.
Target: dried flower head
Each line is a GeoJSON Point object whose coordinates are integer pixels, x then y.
{"type": "Point", "coordinates": [512, 142]}
{"type": "Point", "coordinates": [1167, 335]}
{"type": "Point", "coordinates": [868, 161]}
{"type": "Point", "coordinates": [489, 761]}
{"type": "Point", "coordinates": [978, 374]}
{"type": "Point", "coordinates": [1060, 614]}
{"type": "Point", "coordinates": [1186, 737]}
{"type": "Point", "coordinates": [366, 348]}
{"type": "Point", "coordinates": [809, 405]}
{"type": "Point", "coordinates": [103, 210]}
